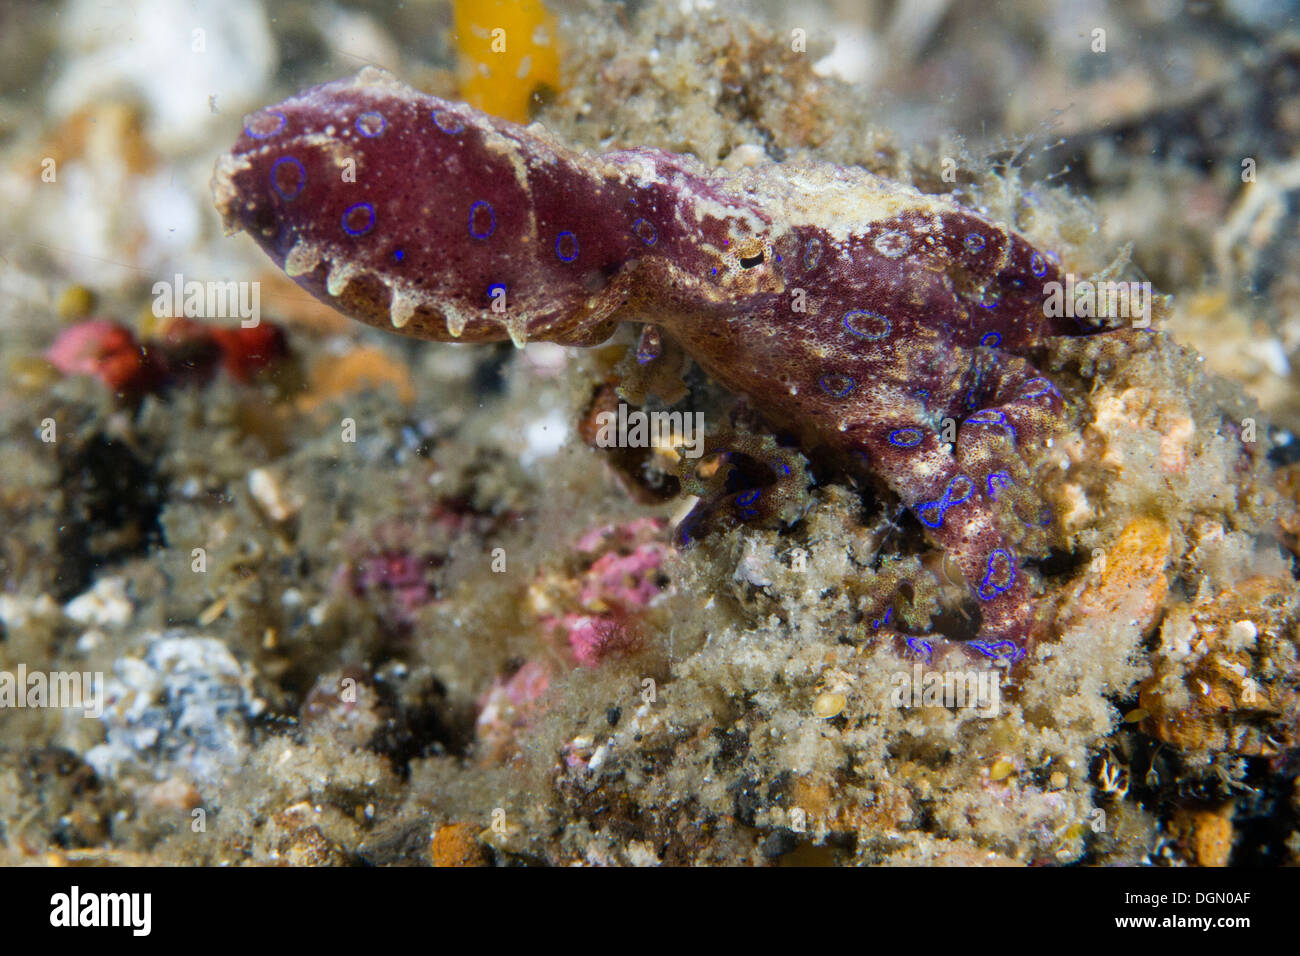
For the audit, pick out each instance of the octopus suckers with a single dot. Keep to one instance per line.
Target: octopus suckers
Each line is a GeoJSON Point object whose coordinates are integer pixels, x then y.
{"type": "Point", "coordinates": [455, 321]}
{"type": "Point", "coordinates": [401, 308]}
{"type": "Point", "coordinates": [302, 258]}
{"type": "Point", "coordinates": [517, 329]}
{"type": "Point", "coordinates": [340, 275]}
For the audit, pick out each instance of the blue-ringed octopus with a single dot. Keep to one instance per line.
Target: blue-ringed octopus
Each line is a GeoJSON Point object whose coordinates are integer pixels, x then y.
{"type": "Point", "coordinates": [854, 312]}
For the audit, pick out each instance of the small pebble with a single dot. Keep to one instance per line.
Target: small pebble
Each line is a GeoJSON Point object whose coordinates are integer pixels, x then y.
{"type": "Point", "coordinates": [269, 491]}
{"type": "Point", "coordinates": [828, 705]}
{"type": "Point", "coordinates": [75, 302]}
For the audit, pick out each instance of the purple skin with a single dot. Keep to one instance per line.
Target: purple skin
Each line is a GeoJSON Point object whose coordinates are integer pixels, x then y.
{"type": "Point", "coordinates": [852, 311]}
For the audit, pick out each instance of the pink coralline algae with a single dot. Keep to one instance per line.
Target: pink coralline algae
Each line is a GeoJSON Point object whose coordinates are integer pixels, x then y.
{"type": "Point", "coordinates": [854, 313]}
{"type": "Point", "coordinates": [185, 351]}
{"type": "Point", "coordinates": [109, 352]}
{"type": "Point", "coordinates": [593, 637]}
{"type": "Point", "coordinates": [511, 704]}
{"type": "Point", "coordinates": [626, 574]}
{"type": "Point", "coordinates": [397, 564]}
{"type": "Point", "coordinates": [400, 578]}
{"type": "Point", "coordinates": [616, 587]}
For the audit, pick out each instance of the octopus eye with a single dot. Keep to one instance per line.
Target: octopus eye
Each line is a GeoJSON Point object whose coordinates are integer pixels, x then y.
{"type": "Point", "coordinates": [751, 261]}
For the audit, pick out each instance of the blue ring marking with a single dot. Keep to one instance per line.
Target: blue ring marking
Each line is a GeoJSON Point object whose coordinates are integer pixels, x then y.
{"type": "Point", "coordinates": [996, 480]}
{"type": "Point", "coordinates": [441, 118]}
{"type": "Point", "coordinates": [683, 534]}
{"type": "Point", "coordinates": [1045, 388]}
{"type": "Point", "coordinates": [854, 322]}
{"type": "Point", "coordinates": [906, 437]}
{"type": "Point", "coordinates": [1038, 265]}
{"type": "Point", "coordinates": [946, 503]}
{"type": "Point", "coordinates": [473, 211]}
{"type": "Point", "coordinates": [991, 339]}
{"type": "Point", "coordinates": [399, 255]}
{"type": "Point", "coordinates": [989, 588]}
{"type": "Point", "coordinates": [920, 646]}
{"type": "Point", "coordinates": [991, 416]}
{"type": "Point", "coordinates": [647, 352]}
{"type": "Point", "coordinates": [892, 244]}
{"type": "Point", "coordinates": [275, 178]}
{"type": "Point", "coordinates": [827, 384]}
{"type": "Point", "coordinates": [365, 122]}
{"type": "Point", "coordinates": [640, 226]}
{"type": "Point", "coordinates": [747, 499]}
{"type": "Point", "coordinates": [880, 622]}
{"type": "Point", "coordinates": [975, 243]}
{"type": "Point", "coordinates": [347, 214]}
{"type": "Point", "coordinates": [989, 298]}
{"type": "Point", "coordinates": [785, 469]}
{"type": "Point", "coordinates": [267, 135]}
{"type": "Point", "coordinates": [999, 650]}
{"type": "Point", "coordinates": [812, 254]}
{"type": "Point", "coordinates": [560, 255]}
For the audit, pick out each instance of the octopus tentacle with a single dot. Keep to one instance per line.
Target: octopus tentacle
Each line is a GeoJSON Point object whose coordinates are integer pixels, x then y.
{"type": "Point", "coordinates": [953, 507]}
